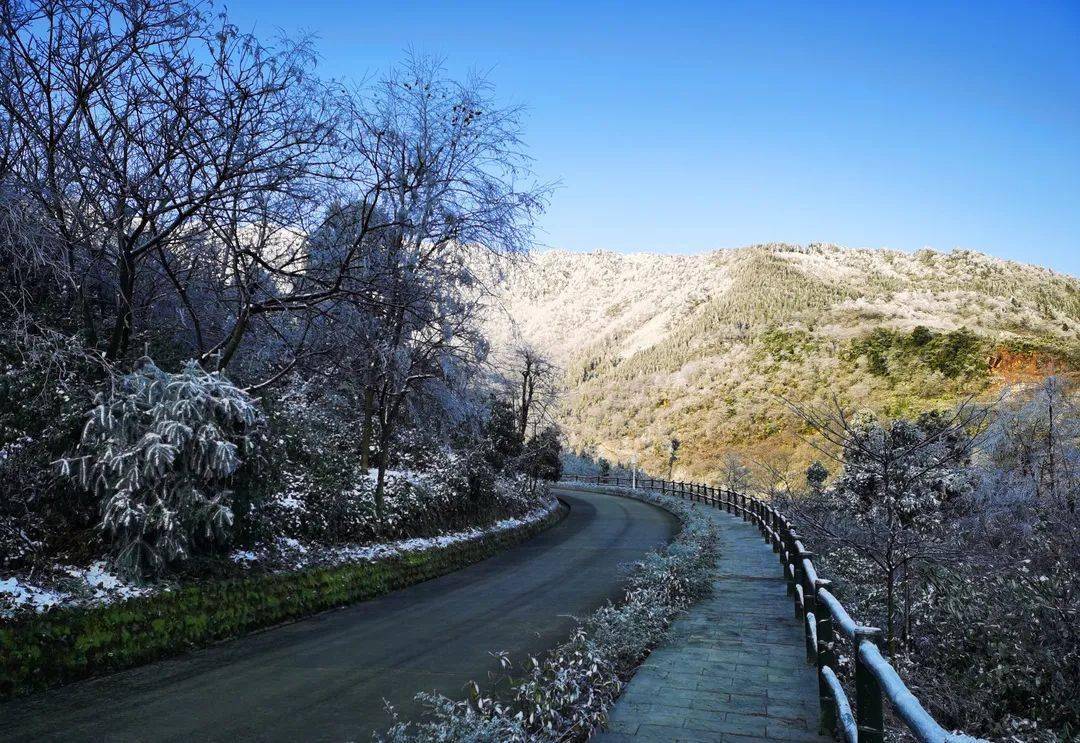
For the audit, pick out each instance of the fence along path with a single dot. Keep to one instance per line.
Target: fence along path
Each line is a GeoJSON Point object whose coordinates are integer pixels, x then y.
{"type": "Point", "coordinates": [825, 621]}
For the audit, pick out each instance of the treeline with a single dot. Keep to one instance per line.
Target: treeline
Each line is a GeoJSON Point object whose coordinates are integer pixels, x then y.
{"type": "Point", "coordinates": [242, 302]}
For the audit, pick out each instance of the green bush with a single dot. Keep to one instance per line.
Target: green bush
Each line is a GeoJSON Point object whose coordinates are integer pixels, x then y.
{"type": "Point", "coordinates": [70, 644]}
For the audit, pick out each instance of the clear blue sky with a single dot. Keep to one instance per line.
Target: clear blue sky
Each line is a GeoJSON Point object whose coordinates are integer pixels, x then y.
{"type": "Point", "coordinates": [689, 126]}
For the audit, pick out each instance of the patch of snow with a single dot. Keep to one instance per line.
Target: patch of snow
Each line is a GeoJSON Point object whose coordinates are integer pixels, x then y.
{"type": "Point", "coordinates": [88, 586]}
{"type": "Point", "coordinates": [26, 594]}
{"type": "Point", "coordinates": [301, 556]}
{"type": "Point", "coordinates": [106, 585]}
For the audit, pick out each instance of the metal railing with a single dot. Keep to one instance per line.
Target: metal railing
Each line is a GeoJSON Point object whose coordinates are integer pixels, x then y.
{"type": "Point", "coordinates": [822, 616]}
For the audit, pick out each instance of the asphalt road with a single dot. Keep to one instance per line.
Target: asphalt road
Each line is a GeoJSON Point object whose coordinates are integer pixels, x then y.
{"type": "Point", "coordinates": [325, 678]}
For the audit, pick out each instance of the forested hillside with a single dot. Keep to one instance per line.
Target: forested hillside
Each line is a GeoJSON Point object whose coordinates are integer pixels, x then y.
{"type": "Point", "coordinates": [706, 348]}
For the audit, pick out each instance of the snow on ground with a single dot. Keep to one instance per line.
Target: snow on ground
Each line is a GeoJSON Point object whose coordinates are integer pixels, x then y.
{"type": "Point", "coordinates": [291, 554]}
{"type": "Point", "coordinates": [27, 594]}
{"type": "Point", "coordinates": [77, 587]}
{"type": "Point", "coordinates": [96, 585]}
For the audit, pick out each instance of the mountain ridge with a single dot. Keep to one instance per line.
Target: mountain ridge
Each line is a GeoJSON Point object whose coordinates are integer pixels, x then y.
{"type": "Point", "coordinates": [701, 347]}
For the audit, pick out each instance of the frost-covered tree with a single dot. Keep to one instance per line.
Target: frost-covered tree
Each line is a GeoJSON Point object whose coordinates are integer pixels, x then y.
{"type": "Point", "coordinates": [816, 474]}
{"type": "Point", "coordinates": [163, 151]}
{"type": "Point", "coordinates": [734, 475]}
{"type": "Point", "coordinates": [1033, 447]}
{"type": "Point", "coordinates": [902, 487]}
{"type": "Point", "coordinates": [533, 381]}
{"type": "Point", "coordinates": [159, 450]}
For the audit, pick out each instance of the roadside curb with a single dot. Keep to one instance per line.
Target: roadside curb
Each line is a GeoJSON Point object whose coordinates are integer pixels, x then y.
{"type": "Point", "coordinates": [69, 645]}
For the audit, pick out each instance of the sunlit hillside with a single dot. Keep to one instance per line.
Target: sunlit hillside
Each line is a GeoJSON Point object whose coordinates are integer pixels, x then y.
{"type": "Point", "coordinates": [704, 348]}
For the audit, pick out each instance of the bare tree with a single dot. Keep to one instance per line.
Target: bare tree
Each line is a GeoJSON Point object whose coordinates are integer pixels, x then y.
{"type": "Point", "coordinates": [438, 168]}
{"type": "Point", "coordinates": [734, 474]}
{"type": "Point", "coordinates": [1033, 441]}
{"type": "Point", "coordinates": [141, 131]}
{"type": "Point", "coordinates": [673, 455]}
{"type": "Point", "coordinates": [534, 382]}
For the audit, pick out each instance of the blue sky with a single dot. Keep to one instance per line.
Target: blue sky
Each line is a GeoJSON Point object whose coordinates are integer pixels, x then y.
{"type": "Point", "coordinates": [690, 126]}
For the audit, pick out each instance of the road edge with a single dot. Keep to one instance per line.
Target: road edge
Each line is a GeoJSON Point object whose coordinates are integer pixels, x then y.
{"type": "Point", "coordinates": [69, 645]}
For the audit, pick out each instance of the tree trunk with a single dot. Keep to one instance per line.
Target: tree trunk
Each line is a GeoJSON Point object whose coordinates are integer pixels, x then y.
{"type": "Point", "coordinates": [1050, 440]}
{"type": "Point", "coordinates": [388, 414]}
{"type": "Point", "coordinates": [366, 430]}
{"type": "Point", "coordinates": [890, 608]}
{"type": "Point", "coordinates": [125, 313]}
{"type": "Point", "coordinates": [380, 489]}
{"type": "Point", "coordinates": [232, 344]}
{"type": "Point", "coordinates": [523, 410]}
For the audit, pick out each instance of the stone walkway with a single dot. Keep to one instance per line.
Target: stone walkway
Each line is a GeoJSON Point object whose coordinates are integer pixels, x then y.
{"type": "Point", "coordinates": [734, 668]}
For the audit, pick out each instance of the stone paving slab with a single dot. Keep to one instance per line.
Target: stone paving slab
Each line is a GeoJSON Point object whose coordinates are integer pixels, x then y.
{"type": "Point", "coordinates": [734, 668]}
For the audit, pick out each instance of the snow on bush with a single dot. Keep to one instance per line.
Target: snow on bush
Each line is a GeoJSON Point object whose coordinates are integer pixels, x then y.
{"type": "Point", "coordinates": [159, 450]}
{"type": "Point", "coordinates": [566, 695]}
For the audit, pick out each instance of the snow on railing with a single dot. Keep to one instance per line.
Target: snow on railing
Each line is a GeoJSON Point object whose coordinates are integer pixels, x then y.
{"type": "Point", "coordinates": [821, 614]}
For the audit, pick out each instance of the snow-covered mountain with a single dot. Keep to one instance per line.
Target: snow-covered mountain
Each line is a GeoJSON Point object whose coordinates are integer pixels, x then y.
{"type": "Point", "coordinates": [703, 347]}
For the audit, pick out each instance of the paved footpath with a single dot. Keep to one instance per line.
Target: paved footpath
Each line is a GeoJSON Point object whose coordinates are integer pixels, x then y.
{"type": "Point", "coordinates": [734, 668]}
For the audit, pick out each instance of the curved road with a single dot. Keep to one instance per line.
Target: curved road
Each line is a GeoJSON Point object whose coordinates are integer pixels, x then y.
{"type": "Point", "coordinates": [325, 678]}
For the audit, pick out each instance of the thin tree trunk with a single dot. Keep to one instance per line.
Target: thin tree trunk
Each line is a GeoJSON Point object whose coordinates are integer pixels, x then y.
{"type": "Point", "coordinates": [1050, 439]}
{"type": "Point", "coordinates": [125, 313]}
{"type": "Point", "coordinates": [890, 608]}
{"type": "Point", "coordinates": [232, 345]}
{"type": "Point", "coordinates": [366, 430]}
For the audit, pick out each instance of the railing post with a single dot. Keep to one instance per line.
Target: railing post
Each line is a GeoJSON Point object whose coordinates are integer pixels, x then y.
{"type": "Point", "coordinates": [869, 708]}
{"type": "Point", "coordinates": [807, 595]}
{"type": "Point", "coordinates": [796, 564]}
{"type": "Point", "coordinates": [789, 568]}
{"type": "Point", "coordinates": [826, 656]}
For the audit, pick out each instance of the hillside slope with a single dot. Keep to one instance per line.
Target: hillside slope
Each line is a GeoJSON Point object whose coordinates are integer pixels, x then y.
{"type": "Point", "coordinates": [703, 347]}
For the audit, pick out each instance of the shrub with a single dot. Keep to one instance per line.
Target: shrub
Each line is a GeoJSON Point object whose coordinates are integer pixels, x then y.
{"type": "Point", "coordinates": [159, 450]}
{"type": "Point", "coordinates": [45, 388]}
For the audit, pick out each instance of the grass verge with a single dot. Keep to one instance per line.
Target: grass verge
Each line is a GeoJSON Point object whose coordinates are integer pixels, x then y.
{"type": "Point", "coordinates": [66, 645]}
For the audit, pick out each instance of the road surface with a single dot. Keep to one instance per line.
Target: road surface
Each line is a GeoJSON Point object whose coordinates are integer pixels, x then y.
{"type": "Point", "coordinates": [325, 678]}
